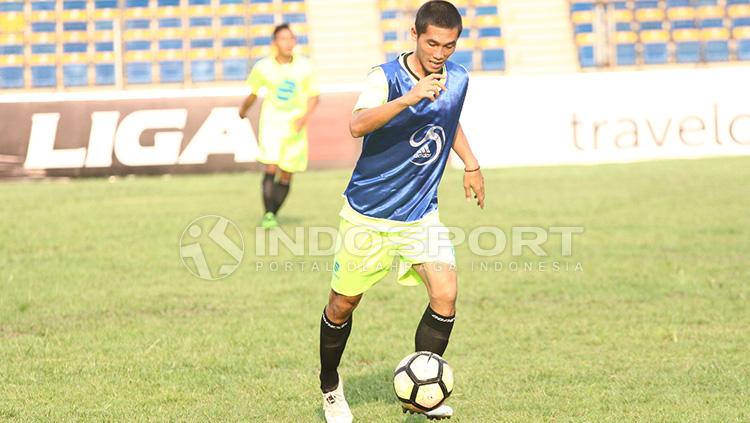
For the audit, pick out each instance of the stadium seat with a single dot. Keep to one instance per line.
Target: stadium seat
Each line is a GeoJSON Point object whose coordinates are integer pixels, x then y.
{"type": "Point", "coordinates": [687, 45]}
{"type": "Point", "coordinates": [716, 44]}
{"type": "Point", "coordinates": [138, 67]}
{"type": "Point", "coordinates": [742, 35]}
{"type": "Point", "coordinates": [655, 47]}
{"type": "Point", "coordinates": [681, 18]}
{"type": "Point", "coordinates": [623, 20]}
{"type": "Point", "coordinates": [585, 44]}
{"type": "Point", "coordinates": [492, 54]}
{"type": "Point", "coordinates": [649, 19]}
{"type": "Point", "coordinates": [202, 65]}
{"type": "Point", "coordinates": [625, 48]}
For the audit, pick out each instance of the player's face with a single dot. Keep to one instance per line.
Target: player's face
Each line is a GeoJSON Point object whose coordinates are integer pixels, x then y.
{"type": "Point", "coordinates": [285, 42]}
{"type": "Point", "coordinates": [435, 46]}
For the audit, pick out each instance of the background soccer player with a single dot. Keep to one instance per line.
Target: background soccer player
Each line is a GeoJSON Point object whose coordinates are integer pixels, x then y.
{"type": "Point", "coordinates": [291, 96]}
{"type": "Point", "coordinates": [408, 115]}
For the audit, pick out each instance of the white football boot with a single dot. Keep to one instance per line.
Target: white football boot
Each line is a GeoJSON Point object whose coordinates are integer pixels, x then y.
{"type": "Point", "coordinates": [440, 413]}
{"type": "Point", "coordinates": [335, 407]}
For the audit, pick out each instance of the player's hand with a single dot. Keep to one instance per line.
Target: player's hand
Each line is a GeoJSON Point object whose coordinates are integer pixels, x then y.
{"type": "Point", "coordinates": [299, 124]}
{"type": "Point", "coordinates": [474, 182]}
{"type": "Point", "coordinates": [430, 87]}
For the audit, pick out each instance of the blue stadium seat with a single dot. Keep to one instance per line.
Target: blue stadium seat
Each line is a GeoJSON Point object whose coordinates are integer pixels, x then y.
{"type": "Point", "coordinates": [235, 69]}
{"type": "Point", "coordinates": [655, 47]}
{"type": "Point", "coordinates": [171, 71]}
{"type": "Point", "coordinates": [203, 70]}
{"type": "Point", "coordinates": [464, 58]}
{"type": "Point", "coordinates": [493, 59]}
{"type": "Point", "coordinates": [716, 44]}
{"type": "Point", "coordinates": [75, 75]}
{"type": "Point", "coordinates": [43, 76]}
{"type": "Point", "coordinates": [138, 73]}
{"type": "Point", "coordinates": [11, 76]}
{"type": "Point", "coordinates": [104, 73]}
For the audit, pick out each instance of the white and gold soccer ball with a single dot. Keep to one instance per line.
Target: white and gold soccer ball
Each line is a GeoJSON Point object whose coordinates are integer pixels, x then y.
{"type": "Point", "coordinates": [422, 381]}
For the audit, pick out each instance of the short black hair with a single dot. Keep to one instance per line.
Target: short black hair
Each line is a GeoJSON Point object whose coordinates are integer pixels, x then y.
{"type": "Point", "coordinates": [280, 28]}
{"type": "Point", "coordinates": [439, 13]}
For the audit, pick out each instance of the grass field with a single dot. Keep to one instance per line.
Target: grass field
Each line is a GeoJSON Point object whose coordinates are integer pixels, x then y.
{"type": "Point", "coordinates": [100, 320]}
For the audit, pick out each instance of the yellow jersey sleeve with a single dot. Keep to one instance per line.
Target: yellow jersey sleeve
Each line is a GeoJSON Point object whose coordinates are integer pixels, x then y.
{"type": "Point", "coordinates": [256, 81]}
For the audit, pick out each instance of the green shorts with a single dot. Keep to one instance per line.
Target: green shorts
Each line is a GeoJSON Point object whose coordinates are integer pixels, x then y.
{"type": "Point", "coordinates": [365, 253]}
{"type": "Point", "coordinates": [280, 145]}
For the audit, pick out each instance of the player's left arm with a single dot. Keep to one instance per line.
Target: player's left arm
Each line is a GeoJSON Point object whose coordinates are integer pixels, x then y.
{"type": "Point", "coordinates": [473, 179]}
{"type": "Point", "coordinates": [312, 91]}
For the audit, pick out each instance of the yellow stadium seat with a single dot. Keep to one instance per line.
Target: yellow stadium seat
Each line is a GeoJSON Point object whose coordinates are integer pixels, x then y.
{"type": "Point", "coordinates": [170, 55]}
{"type": "Point", "coordinates": [69, 58]}
{"type": "Point", "coordinates": [260, 51]}
{"type": "Point", "coordinates": [43, 59]}
{"type": "Point", "coordinates": [12, 22]}
{"type": "Point", "coordinates": [395, 24]}
{"type": "Point", "coordinates": [681, 13]}
{"type": "Point", "coordinates": [137, 13]}
{"type": "Point", "coordinates": [397, 46]}
{"type": "Point", "coordinates": [171, 33]}
{"type": "Point", "coordinates": [706, 12]}
{"type": "Point", "coordinates": [261, 30]}
{"type": "Point", "coordinates": [104, 57]}
{"type": "Point", "coordinates": [74, 36]}
{"type": "Point", "coordinates": [710, 34]}
{"type": "Point", "coordinates": [263, 8]}
{"type": "Point", "coordinates": [137, 34]}
{"type": "Point", "coordinates": [104, 35]}
{"type": "Point", "coordinates": [741, 33]}
{"type": "Point", "coordinates": [43, 16]}
{"type": "Point", "coordinates": [234, 32]}
{"type": "Point", "coordinates": [139, 56]}
{"type": "Point", "coordinates": [682, 35]}
{"type": "Point", "coordinates": [739, 10]}
{"type": "Point", "coordinates": [487, 20]}
{"type": "Point", "coordinates": [299, 28]}
{"type": "Point", "coordinates": [584, 16]}
{"type": "Point", "coordinates": [11, 39]}
{"type": "Point", "coordinates": [43, 37]}
{"type": "Point", "coordinates": [106, 14]}
{"type": "Point", "coordinates": [623, 37]}
{"type": "Point", "coordinates": [74, 15]}
{"type": "Point", "coordinates": [654, 36]}
{"type": "Point", "coordinates": [202, 53]}
{"type": "Point", "coordinates": [295, 7]}
{"type": "Point", "coordinates": [11, 60]}
{"type": "Point", "coordinates": [169, 12]}
{"type": "Point", "coordinates": [464, 3]}
{"type": "Point", "coordinates": [234, 52]}
{"type": "Point", "coordinates": [485, 2]}
{"type": "Point", "coordinates": [303, 50]}
{"type": "Point", "coordinates": [391, 4]}
{"type": "Point", "coordinates": [466, 44]}
{"type": "Point", "coordinates": [200, 11]}
{"type": "Point", "coordinates": [585, 38]}
{"type": "Point", "coordinates": [490, 43]}
{"type": "Point", "coordinates": [200, 32]}
{"type": "Point", "coordinates": [649, 15]}
{"type": "Point", "coordinates": [623, 15]}
{"type": "Point", "coordinates": [232, 9]}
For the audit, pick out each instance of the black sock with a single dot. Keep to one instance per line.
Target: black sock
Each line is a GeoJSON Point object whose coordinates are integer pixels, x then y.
{"type": "Point", "coordinates": [332, 343]}
{"type": "Point", "coordinates": [267, 185]}
{"type": "Point", "coordinates": [433, 332]}
{"type": "Point", "coordinates": [280, 190]}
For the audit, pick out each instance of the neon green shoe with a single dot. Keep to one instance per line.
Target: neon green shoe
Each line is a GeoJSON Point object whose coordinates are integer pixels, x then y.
{"type": "Point", "coordinates": [269, 221]}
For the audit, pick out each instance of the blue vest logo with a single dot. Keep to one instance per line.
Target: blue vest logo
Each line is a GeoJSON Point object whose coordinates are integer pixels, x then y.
{"type": "Point", "coordinates": [429, 141]}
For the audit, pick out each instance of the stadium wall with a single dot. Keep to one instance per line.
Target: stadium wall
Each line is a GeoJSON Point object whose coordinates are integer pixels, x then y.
{"type": "Point", "coordinates": [510, 121]}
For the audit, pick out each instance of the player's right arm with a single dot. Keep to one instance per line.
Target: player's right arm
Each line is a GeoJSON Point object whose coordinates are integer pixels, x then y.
{"type": "Point", "coordinates": [367, 120]}
{"type": "Point", "coordinates": [247, 104]}
{"type": "Point", "coordinates": [255, 81]}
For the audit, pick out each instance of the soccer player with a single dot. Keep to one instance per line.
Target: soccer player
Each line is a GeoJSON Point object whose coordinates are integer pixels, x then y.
{"type": "Point", "coordinates": [291, 96]}
{"type": "Point", "coordinates": [409, 117]}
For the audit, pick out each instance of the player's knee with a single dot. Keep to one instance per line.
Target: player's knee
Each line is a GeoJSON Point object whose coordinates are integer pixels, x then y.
{"type": "Point", "coordinates": [340, 307]}
{"type": "Point", "coordinates": [446, 297]}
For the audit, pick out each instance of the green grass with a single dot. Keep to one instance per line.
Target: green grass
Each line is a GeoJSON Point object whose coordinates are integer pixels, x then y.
{"type": "Point", "coordinates": [100, 321]}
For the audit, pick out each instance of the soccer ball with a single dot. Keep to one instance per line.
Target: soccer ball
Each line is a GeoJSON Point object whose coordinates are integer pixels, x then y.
{"type": "Point", "coordinates": [422, 381]}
